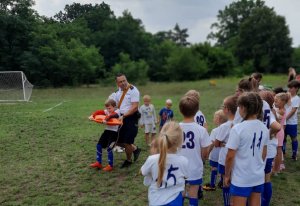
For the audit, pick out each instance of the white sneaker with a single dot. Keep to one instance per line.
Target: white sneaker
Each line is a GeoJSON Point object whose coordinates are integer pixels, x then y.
{"type": "Point", "coordinates": [118, 149]}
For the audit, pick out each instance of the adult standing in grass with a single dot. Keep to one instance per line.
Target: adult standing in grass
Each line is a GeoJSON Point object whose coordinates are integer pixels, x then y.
{"type": "Point", "coordinates": [127, 97]}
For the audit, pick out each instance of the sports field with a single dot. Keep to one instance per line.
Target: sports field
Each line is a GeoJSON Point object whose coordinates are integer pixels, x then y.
{"type": "Point", "coordinates": [46, 147]}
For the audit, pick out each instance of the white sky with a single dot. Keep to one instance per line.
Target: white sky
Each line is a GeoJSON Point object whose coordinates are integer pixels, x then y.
{"type": "Point", "coordinates": [195, 15]}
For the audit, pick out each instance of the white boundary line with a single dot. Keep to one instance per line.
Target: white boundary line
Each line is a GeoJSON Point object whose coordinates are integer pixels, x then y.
{"type": "Point", "coordinates": [49, 109]}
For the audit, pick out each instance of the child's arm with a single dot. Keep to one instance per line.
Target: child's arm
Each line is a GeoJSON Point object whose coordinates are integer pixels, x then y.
{"type": "Point", "coordinates": [229, 164]}
{"type": "Point", "coordinates": [291, 113]}
{"type": "Point", "coordinates": [98, 112]}
{"type": "Point", "coordinates": [204, 152]}
{"type": "Point", "coordinates": [112, 115]}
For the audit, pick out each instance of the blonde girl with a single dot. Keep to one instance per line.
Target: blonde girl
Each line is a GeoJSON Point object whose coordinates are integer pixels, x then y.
{"type": "Point", "coordinates": [166, 172]}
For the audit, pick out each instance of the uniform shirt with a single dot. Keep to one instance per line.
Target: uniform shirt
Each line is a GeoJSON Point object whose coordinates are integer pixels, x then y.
{"type": "Point", "coordinates": [195, 137]}
{"type": "Point", "coordinates": [200, 118]}
{"type": "Point", "coordinates": [272, 148]}
{"type": "Point", "coordinates": [148, 114]}
{"type": "Point", "coordinates": [132, 95]}
{"type": "Point", "coordinates": [214, 153]}
{"type": "Point", "coordinates": [165, 115]}
{"type": "Point", "coordinates": [295, 101]}
{"type": "Point", "coordinates": [222, 136]}
{"type": "Point", "coordinates": [173, 179]}
{"type": "Point", "coordinates": [248, 139]}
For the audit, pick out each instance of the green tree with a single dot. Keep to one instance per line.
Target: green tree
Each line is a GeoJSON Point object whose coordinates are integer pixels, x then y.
{"type": "Point", "coordinates": [296, 59]}
{"type": "Point", "coordinates": [136, 71]}
{"type": "Point", "coordinates": [185, 64]}
{"type": "Point", "coordinates": [180, 36]}
{"type": "Point", "coordinates": [255, 34]}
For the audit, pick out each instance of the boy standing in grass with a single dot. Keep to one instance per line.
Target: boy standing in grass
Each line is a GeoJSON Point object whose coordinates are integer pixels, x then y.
{"type": "Point", "coordinates": [148, 119]}
{"type": "Point", "coordinates": [109, 135]}
{"type": "Point", "coordinates": [166, 114]}
{"type": "Point", "coordinates": [291, 117]}
{"type": "Point", "coordinates": [194, 147]}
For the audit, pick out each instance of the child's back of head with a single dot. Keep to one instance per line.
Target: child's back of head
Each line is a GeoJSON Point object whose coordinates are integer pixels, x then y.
{"type": "Point", "coordinates": [188, 106]}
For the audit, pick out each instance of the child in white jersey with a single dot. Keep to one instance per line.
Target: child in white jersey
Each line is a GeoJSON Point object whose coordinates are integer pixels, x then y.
{"type": "Point", "coordinates": [199, 116]}
{"type": "Point", "coordinates": [109, 135]}
{"type": "Point", "coordinates": [219, 118]}
{"type": "Point", "coordinates": [165, 172]}
{"type": "Point", "coordinates": [148, 119]}
{"type": "Point", "coordinates": [291, 117]}
{"type": "Point", "coordinates": [229, 109]}
{"type": "Point", "coordinates": [194, 147]}
{"type": "Point", "coordinates": [247, 149]}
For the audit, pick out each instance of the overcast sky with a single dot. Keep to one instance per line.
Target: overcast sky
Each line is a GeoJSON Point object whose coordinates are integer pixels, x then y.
{"type": "Point", "coordinates": [195, 15]}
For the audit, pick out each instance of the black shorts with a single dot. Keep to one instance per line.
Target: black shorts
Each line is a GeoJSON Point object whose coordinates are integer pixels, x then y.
{"type": "Point", "coordinates": [107, 138]}
{"type": "Point", "coordinates": [128, 130]}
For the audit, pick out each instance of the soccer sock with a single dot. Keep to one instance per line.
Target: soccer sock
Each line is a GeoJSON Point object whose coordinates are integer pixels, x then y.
{"type": "Point", "coordinates": [267, 194]}
{"type": "Point", "coordinates": [226, 196]}
{"type": "Point", "coordinates": [284, 146]}
{"type": "Point", "coordinates": [295, 147]}
{"type": "Point", "coordinates": [221, 179]}
{"type": "Point", "coordinates": [193, 202]}
{"type": "Point", "coordinates": [99, 153]}
{"type": "Point", "coordinates": [213, 176]}
{"type": "Point", "coordinates": [110, 156]}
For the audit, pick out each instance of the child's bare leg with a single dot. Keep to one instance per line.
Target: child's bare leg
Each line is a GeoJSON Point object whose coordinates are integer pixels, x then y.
{"type": "Point", "coordinates": [147, 138]}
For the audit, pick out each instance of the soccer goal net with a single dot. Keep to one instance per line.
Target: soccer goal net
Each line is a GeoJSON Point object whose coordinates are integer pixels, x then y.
{"type": "Point", "coordinates": [14, 86]}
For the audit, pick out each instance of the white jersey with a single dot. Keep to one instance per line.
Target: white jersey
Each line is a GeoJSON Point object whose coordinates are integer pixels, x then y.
{"type": "Point", "coordinates": [173, 179]}
{"type": "Point", "coordinates": [132, 95]}
{"type": "Point", "coordinates": [272, 147]}
{"type": "Point", "coordinates": [148, 114]}
{"type": "Point", "coordinates": [195, 138]}
{"type": "Point", "coordinates": [295, 101]}
{"type": "Point", "coordinates": [214, 153]}
{"type": "Point", "coordinates": [248, 140]}
{"type": "Point", "coordinates": [223, 136]}
{"type": "Point", "coordinates": [237, 117]}
{"type": "Point", "coordinates": [200, 118]}
{"type": "Point", "coordinates": [109, 127]}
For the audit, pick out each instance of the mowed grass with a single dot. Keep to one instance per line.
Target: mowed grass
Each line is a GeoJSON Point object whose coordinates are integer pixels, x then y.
{"type": "Point", "coordinates": [45, 153]}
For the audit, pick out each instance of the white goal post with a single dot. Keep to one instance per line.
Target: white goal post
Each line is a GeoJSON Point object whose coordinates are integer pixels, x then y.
{"type": "Point", "coordinates": [14, 86]}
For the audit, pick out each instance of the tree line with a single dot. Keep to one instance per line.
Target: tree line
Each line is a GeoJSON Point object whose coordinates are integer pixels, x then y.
{"type": "Point", "coordinates": [88, 44]}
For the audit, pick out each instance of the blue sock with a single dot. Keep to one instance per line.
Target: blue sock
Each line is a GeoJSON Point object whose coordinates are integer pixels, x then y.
{"type": "Point", "coordinates": [295, 147]}
{"type": "Point", "coordinates": [99, 153]}
{"type": "Point", "coordinates": [110, 156]}
{"type": "Point", "coordinates": [267, 194]}
{"type": "Point", "coordinates": [213, 177]}
{"type": "Point", "coordinates": [193, 202]}
{"type": "Point", "coordinates": [226, 196]}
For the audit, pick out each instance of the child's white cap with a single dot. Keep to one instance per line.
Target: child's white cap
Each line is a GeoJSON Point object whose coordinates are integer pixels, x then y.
{"type": "Point", "coordinates": [168, 101]}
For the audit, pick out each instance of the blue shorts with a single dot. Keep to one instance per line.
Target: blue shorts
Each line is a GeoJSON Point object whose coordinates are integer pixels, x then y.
{"type": "Point", "coordinates": [245, 191]}
{"type": "Point", "coordinates": [194, 182]}
{"type": "Point", "coordinates": [178, 201]}
{"type": "Point", "coordinates": [291, 130]}
{"type": "Point", "coordinates": [213, 163]}
{"type": "Point", "coordinates": [221, 169]}
{"type": "Point", "coordinates": [268, 167]}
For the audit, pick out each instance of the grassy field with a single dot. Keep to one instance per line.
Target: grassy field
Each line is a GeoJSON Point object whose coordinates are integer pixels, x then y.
{"type": "Point", "coordinates": [45, 152]}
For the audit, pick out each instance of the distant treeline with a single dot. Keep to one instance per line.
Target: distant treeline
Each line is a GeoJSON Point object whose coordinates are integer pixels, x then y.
{"type": "Point", "coordinates": [87, 44]}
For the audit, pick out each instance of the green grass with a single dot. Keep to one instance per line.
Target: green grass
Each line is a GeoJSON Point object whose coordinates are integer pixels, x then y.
{"type": "Point", "coordinates": [44, 156]}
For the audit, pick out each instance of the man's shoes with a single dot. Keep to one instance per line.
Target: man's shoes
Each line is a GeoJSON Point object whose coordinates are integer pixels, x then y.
{"type": "Point", "coordinates": [136, 153]}
{"type": "Point", "coordinates": [126, 163]}
{"type": "Point", "coordinates": [96, 165]}
{"type": "Point", "coordinates": [108, 168]}
{"type": "Point", "coordinates": [118, 149]}
{"type": "Point", "coordinates": [208, 187]}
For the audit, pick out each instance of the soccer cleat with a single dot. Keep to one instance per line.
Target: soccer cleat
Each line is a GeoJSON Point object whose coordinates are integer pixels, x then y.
{"type": "Point", "coordinates": [136, 153]}
{"type": "Point", "coordinates": [294, 158]}
{"type": "Point", "coordinates": [96, 165]}
{"type": "Point", "coordinates": [126, 163]}
{"type": "Point", "coordinates": [108, 168]}
{"type": "Point", "coordinates": [208, 187]}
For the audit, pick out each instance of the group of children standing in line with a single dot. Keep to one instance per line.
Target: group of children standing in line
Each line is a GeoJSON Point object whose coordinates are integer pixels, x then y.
{"type": "Point", "coordinates": [246, 147]}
